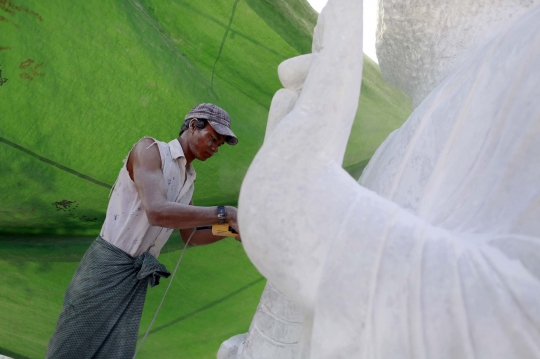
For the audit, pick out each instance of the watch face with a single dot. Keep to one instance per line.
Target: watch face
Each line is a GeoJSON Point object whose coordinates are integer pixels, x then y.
{"type": "Point", "coordinates": [221, 213]}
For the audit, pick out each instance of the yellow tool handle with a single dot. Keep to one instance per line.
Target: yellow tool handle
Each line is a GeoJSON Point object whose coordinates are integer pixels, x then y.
{"type": "Point", "coordinates": [223, 230]}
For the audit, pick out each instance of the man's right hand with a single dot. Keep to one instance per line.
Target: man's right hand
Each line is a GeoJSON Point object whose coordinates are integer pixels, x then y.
{"type": "Point", "coordinates": [232, 219]}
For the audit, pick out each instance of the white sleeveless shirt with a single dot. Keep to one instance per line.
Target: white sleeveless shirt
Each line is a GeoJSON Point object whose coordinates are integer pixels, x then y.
{"type": "Point", "coordinates": [126, 225]}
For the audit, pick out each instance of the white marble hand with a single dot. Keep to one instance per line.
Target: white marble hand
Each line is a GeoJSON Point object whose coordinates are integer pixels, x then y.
{"type": "Point", "coordinates": [311, 137]}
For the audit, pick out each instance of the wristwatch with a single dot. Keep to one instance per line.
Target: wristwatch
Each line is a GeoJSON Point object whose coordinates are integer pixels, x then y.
{"type": "Point", "coordinates": [221, 214]}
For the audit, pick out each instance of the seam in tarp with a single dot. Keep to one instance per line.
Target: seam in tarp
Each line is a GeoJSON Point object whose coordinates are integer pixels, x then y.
{"type": "Point", "coordinates": [206, 307]}
{"type": "Point", "coordinates": [224, 39]}
{"type": "Point", "coordinates": [55, 164]}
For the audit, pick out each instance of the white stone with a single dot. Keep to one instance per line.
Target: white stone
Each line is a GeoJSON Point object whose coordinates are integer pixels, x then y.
{"type": "Point", "coordinates": [232, 348]}
{"type": "Point", "coordinates": [293, 72]}
{"type": "Point", "coordinates": [435, 253]}
{"type": "Point", "coordinates": [276, 328]}
{"type": "Point", "coordinates": [275, 331]}
{"type": "Point", "coordinates": [282, 103]}
{"type": "Point", "coordinates": [420, 42]}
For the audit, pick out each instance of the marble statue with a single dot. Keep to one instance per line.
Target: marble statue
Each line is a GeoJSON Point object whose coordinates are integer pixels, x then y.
{"type": "Point", "coordinates": [435, 251]}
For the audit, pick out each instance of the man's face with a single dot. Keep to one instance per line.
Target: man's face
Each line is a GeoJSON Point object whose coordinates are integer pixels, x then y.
{"type": "Point", "coordinates": [205, 142]}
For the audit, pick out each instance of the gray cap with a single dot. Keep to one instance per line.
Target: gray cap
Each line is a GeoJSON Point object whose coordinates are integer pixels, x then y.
{"type": "Point", "coordinates": [217, 117]}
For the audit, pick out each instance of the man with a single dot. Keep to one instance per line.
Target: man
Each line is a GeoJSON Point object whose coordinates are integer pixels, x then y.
{"type": "Point", "coordinates": [151, 197]}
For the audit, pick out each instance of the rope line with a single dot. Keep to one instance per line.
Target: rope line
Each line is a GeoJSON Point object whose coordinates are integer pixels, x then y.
{"type": "Point", "coordinates": [164, 295]}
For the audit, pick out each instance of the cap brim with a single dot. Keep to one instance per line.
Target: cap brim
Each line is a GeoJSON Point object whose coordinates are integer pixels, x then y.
{"type": "Point", "coordinates": [231, 138]}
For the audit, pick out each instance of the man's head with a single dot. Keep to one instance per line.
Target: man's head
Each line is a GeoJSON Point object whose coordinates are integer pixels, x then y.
{"type": "Point", "coordinates": [206, 127]}
{"type": "Point", "coordinates": [217, 117]}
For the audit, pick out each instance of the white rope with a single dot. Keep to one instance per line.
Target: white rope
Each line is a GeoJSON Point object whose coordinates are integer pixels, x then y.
{"type": "Point", "coordinates": [163, 299]}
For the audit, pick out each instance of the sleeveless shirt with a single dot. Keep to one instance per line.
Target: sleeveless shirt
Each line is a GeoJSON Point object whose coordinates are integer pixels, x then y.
{"type": "Point", "coordinates": [126, 225]}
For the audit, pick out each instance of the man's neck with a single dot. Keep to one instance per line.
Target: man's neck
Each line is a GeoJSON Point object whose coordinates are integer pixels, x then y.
{"type": "Point", "coordinates": [185, 148]}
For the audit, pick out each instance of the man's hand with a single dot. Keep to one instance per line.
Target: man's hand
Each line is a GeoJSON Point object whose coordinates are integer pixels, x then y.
{"type": "Point", "coordinates": [232, 219]}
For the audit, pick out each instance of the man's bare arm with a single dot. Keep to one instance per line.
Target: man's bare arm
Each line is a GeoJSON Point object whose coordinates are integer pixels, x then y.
{"type": "Point", "coordinates": [201, 237]}
{"type": "Point", "coordinates": [144, 166]}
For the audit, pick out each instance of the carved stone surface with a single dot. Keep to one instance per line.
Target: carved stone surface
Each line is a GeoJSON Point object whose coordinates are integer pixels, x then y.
{"type": "Point", "coordinates": [232, 348]}
{"type": "Point", "coordinates": [276, 328]}
{"type": "Point", "coordinates": [275, 331]}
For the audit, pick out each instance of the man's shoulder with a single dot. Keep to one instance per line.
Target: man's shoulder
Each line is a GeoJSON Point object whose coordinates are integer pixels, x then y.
{"type": "Point", "coordinates": [147, 151]}
{"type": "Point", "coordinates": [148, 141]}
